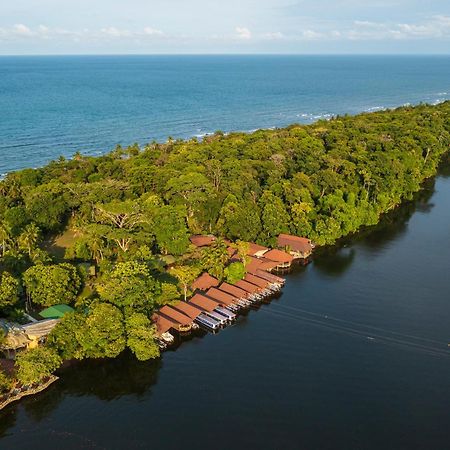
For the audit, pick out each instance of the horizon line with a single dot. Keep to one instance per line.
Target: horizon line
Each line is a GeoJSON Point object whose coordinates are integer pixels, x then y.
{"type": "Point", "coordinates": [222, 54]}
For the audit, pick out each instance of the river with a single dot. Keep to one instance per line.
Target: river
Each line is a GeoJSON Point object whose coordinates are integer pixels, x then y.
{"type": "Point", "coordinates": [352, 355]}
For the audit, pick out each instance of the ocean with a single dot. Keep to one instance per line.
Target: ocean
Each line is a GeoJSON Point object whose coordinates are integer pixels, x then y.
{"type": "Point", "coordinates": [52, 106]}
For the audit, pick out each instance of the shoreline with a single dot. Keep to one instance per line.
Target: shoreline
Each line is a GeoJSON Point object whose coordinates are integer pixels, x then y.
{"type": "Point", "coordinates": [11, 398]}
{"type": "Point", "coordinates": [306, 119]}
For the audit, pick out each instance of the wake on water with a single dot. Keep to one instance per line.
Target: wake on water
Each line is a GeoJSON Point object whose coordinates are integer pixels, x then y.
{"type": "Point", "coordinates": [371, 333]}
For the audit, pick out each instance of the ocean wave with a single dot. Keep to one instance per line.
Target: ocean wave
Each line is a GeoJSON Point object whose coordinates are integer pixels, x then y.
{"type": "Point", "coordinates": [310, 117]}
{"type": "Point", "coordinates": [375, 108]}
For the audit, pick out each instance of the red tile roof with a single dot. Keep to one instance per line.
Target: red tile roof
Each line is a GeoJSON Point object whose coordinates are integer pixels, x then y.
{"type": "Point", "coordinates": [162, 324]}
{"type": "Point", "coordinates": [246, 286]}
{"type": "Point", "coordinates": [204, 282]}
{"type": "Point", "coordinates": [187, 309]}
{"type": "Point", "coordinates": [260, 264]}
{"type": "Point", "coordinates": [295, 243]}
{"type": "Point", "coordinates": [279, 256]}
{"type": "Point", "coordinates": [202, 240]}
{"type": "Point", "coordinates": [256, 280]}
{"type": "Point", "coordinates": [269, 276]}
{"type": "Point", "coordinates": [255, 248]}
{"type": "Point", "coordinates": [175, 315]}
{"type": "Point", "coordinates": [203, 302]}
{"type": "Point", "coordinates": [233, 290]}
{"type": "Point", "coordinates": [221, 296]}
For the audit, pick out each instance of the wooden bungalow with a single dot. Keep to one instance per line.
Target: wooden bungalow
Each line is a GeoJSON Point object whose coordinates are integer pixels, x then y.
{"type": "Point", "coordinates": [163, 325]}
{"type": "Point", "coordinates": [222, 297]}
{"type": "Point", "coordinates": [248, 287]}
{"type": "Point", "coordinates": [283, 259]}
{"type": "Point", "coordinates": [187, 309]}
{"type": "Point", "coordinates": [204, 303]}
{"type": "Point", "coordinates": [255, 264]}
{"type": "Point", "coordinates": [234, 290]}
{"type": "Point", "coordinates": [204, 282]}
{"type": "Point", "coordinates": [183, 321]}
{"type": "Point", "coordinates": [260, 282]}
{"type": "Point", "coordinates": [298, 247]}
{"type": "Point", "coordinates": [200, 240]}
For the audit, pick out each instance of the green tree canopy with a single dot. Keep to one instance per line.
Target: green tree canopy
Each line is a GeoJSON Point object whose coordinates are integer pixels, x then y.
{"type": "Point", "coordinates": [234, 272]}
{"type": "Point", "coordinates": [141, 335]}
{"type": "Point", "coordinates": [63, 338]}
{"type": "Point", "coordinates": [53, 284]}
{"type": "Point", "coordinates": [9, 290]}
{"type": "Point", "coordinates": [214, 258]}
{"type": "Point", "coordinates": [36, 364]}
{"type": "Point", "coordinates": [5, 383]}
{"type": "Point", "coordinates": [185, 276]}
{"type": "Point", "coordinates": [103, 335]}
{"type": "Point", "coordinates": [130, 286]}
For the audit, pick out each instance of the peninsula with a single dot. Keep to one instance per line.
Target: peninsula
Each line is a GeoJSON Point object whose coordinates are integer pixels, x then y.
{"type": "Point", "coordinates": [101, 254]}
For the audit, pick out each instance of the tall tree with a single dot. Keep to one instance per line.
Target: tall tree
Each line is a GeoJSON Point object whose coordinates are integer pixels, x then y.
{"type": "Point", "coordinates": [103, 335]}
{"type": "Point", "coordinates": [130, 286]}
{"type": "Point", "coordinates": [53, 284]}
{"type": "Point", "coordinates": [141, 334]}
{"type": "Point", "coordinates": [29, 238]}
{"type": "Point", "coordinates": [185, 276]}
{"type": "Point", "coordinates": [36, 364]}
{"type": "Point", "coordinates": [215, 257]}
{"type": "Point", "coordinates": [9, 289]}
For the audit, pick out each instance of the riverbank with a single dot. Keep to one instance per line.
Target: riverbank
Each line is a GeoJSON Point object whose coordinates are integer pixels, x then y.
{"type": "Point", "coordinates": [17, 393]}
{"type": "Point", "coordinates": [324, 388]}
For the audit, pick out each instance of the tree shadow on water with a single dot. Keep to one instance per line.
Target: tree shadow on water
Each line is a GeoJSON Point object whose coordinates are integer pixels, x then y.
{"type": "Point", "coordinates": [106, 380]}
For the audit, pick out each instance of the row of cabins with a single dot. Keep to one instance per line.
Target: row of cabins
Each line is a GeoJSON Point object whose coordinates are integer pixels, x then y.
{"type": "Point", "coordinates": [289, 248]}
{"type": "Point", "coordinates": [214, 305]}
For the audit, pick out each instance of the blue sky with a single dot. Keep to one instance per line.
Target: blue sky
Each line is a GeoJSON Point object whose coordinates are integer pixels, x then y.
{"type": "Point", "coordinates": [224, 26]}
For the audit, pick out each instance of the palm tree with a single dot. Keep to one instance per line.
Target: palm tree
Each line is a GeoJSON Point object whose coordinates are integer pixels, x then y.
{"type": "Point", "coordinates": [96, 246]}
{"type": "Point", "coordinates": [4, 238]}
{"type": "Point", "coordinates": [29, 238]}
{"type": "Point", "coordinates": [215, 257]}
{"type": "Point", "coordinates": [185, 275]}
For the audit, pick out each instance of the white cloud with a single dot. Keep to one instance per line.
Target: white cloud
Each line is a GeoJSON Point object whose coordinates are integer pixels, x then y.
{"type": "Point", "coordinates": [149, 31]}
{"type": "Point", "coordinates": [243, 33]}
{"type": "Point", "coordinates": [22, 30]}
{"type": "Point", "coordinates": [115, 32]}
{"type": "Point", "coordinates": [435, 27]}
{"type": "Point", "coordinates": [273, 36]}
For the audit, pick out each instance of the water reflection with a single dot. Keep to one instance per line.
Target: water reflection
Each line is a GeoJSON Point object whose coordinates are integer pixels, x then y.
{"type": "Point", "coordinates": [104, 379]}
{"type": "Point", "coordinates": [335, 260]}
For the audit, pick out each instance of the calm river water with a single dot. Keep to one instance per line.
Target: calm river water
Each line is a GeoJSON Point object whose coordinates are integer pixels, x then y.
{"type": "Point", "coordinates": [352, 355]}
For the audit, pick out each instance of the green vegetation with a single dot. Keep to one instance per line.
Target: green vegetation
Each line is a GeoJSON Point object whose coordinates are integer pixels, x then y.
{"type": "Point", "coordinates": [131, 211]}
{"type": "Point", "coordinates": [36, 364]}
{"type": "Point", "coordinates": [5, 383]}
